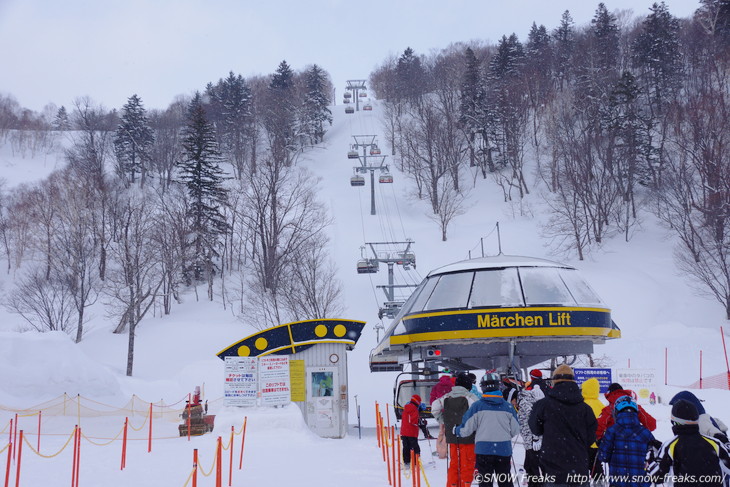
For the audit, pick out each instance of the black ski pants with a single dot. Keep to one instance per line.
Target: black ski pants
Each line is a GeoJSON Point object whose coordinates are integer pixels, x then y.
{"type": "Point", "coordinates": [494, 467]}
{"type": "Point", "coordinates": [409, 443]}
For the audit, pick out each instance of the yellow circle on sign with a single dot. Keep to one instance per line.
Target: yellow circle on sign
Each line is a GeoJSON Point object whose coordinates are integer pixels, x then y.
{"type": "Point", "coordinates": [320, 330]}
{"type": "Point", "coordinates": [340, 330]}
{"type": "Point", "coordinates": [643, 393]}
{"type": "Point", "coordinates": [244, 351]}
{"type": "Point", "coordinates": [261, 343]}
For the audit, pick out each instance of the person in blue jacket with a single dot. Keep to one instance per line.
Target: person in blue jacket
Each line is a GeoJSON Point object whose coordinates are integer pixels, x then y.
{"type": "Point", "coordinates": [495, 423]}
{"type": "Point", "coordinates": [625, 445]}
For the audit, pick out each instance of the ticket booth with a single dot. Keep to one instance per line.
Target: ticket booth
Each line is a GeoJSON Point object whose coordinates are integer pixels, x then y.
{"type": "Point", "coordinates": [317, 351]}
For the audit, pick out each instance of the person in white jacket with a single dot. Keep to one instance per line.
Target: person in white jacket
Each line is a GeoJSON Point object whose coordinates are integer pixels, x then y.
{"type": "Point", "coordinates": [448, 411]}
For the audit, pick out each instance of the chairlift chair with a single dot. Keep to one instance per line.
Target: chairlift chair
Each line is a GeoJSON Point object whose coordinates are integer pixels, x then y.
{"type": "Point", "coordinates": [357, 180]}
{"type": "Point", "coordinates": [375, 150]}
{"type": "Point", "coordinates": [353, 154]}
{"type": "Point", "coordinates": [367, 266]}
{"type": "Point", "coordinates": [349, 109]}
{"type": "Point", "coordinates": [386, 178]}
{"type": "Point", "coordinates": [367, 107]}
{"type": "Point", "coordinates": [362, 94]}
{"type": "Point", "coordinates": [346, 100]}
{"type": "Point", "coordinates": [347, 94]}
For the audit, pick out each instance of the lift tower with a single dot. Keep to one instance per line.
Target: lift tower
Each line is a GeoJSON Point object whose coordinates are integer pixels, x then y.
{"type": "Point", "coordinates": [369, 148]}
{"type": "Point", "coordinates": [391, 254]}
{"type": "Point", "coordinates": [356, 85]}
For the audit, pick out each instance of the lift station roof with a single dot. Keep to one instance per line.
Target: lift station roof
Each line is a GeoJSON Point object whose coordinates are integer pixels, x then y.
{"type": "Point", "coordinates": [495, 312]}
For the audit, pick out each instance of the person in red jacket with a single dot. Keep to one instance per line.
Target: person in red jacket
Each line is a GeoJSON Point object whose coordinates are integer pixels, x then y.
{"type": "Point", "coordinates": [409, 429]}
{"type": "Point", "coordinates": [606, 419]}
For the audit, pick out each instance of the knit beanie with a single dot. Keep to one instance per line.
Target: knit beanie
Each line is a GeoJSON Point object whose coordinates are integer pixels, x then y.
{"type": "Point", "coordinates": [463, 380]}
{"type": "Point", "coordinates": [614, 387]}
{"type": "Point", "coordinates": [563, 374]}
{"type": "Point", "coordinates": [416, 397]}
{"type": "Point", "coordinates": [684, 412]}
{"type": "Point", "coordinates": [536, 374]}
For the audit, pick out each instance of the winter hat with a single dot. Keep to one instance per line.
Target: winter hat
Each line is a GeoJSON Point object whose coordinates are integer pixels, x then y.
{"type": "Point", "coordinates": [563, 374]}
{"type": "Point", "coordinates": [489, 382]}
{"type": "Point", "coordinates": [536, 374]}
{"type": "Point", "coordinates": [614, 387]}
{"type": "Point", "coordinates": [688, 396]}
{"type": "Point", "coordinates": [684, 412]}
{"type": "Point", "coordinates": [416, 397]}
{"type": "Point", "coordinates": [463, 380]}
{"type": "Point", "coordinates": [472, 378]}
{"type": "Point", "coordinates": [509, 394]}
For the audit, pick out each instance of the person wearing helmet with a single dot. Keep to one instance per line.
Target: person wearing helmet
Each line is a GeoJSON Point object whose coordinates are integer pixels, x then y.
{"type": "Point", "coordinates": [605, 419]}
{"type": "Point", "coordinates": [568, 428]}
{"type": "Point", "coordinates": [625, 445]}
{"type": "Point", "coordinates": [694, 459]}
{"type": "Point", "coordinates": [494, 423]}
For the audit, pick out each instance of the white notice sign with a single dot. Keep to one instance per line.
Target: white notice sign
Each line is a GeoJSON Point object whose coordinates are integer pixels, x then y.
{"type": "Point", "coordinates": [274, 380]}
{"type": "Point", "coordinates": [240, 387]}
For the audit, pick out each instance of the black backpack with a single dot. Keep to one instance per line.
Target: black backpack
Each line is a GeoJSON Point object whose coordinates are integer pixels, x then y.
{"type": "Point", "coordinates": [452, 412]}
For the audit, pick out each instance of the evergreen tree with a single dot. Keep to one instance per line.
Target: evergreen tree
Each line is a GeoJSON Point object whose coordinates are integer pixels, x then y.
{"type": "Point", "coordinates": [314, 108]}
{"type": "Point", "coordinates": [411, 77]}
{"type": "Point", "coordinates": [472, 112]}
{"type": "Point", "coordinates": [564, 46]}
{"type": "Point", "coordinates": [201, 174]}
{"type": "Point", "coordinates": [61, 121]}
{"type": "Point", "coordinates": [280, 114]}
{"type": "Point", "coordinates": [604, 42]}
{"type": "Point", "coordinates": [538, 65]}
{"type": "Point", "coordinates": [133, 142]}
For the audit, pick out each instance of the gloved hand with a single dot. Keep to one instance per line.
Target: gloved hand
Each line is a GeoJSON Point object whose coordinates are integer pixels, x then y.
{"type": "Point", "coordinates": [422, 422]}
{"type": "Point", "coordinates": [656, 445]}
{"type": "Point", "coordinates": [453, 430]}
{"type": "Point", "coordinates": [537, 444]}
{"type": "Point", "coordinates": [422, 407]}
{"type": "Point", "coordinates": [722, 437]}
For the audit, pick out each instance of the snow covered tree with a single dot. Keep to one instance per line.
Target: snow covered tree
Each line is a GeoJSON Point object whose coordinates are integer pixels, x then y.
{"type": "Point", "coordinates": [61, 122]}
{"type": "Point", "coordinates": [411, 82]}
{"type": "Point", "coordinates": [280, 115]}
{"type": "Point", "coordinates": [473, 113]}
{"type": "Point", "coordinates": [202, 176]}
{"type": "Point", "coordinates": [563, 49]}
{"type": "Point", "coordinates": [314, 111]}
{"type": "Point", "coordinates": [133, 142]}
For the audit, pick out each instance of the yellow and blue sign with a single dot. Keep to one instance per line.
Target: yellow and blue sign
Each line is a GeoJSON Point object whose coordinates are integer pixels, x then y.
{"type": "Point", "coordinates": [294, 337]}
{"type": "Point", "coordinates": [507, 323]}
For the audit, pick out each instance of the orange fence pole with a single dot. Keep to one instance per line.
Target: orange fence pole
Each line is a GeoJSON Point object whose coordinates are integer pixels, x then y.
{"type": "Point", "coordinates": [195, 467]}
{"type": "Point", "coordinates": [413, 471]}
{"type": "Point", "coordinates": [377, 422]}
{"type": "Point", "coordinates": [387, 415]}
{"type": "Point", "coordinates": [15, 436]}
{"type": "Point", "coordinates": [7, 467]}
{"type": "Point", "coordinates": [10, 440]}
{"type": "Point", "coordinates": [39, 431]}
{"type": "Point", "coordinates": [78, 456]}
{"type": "Point", "coordinates": [243, 439]}
{"type": "Point", "coordinates": [387, 461]}
{"type": "Point", "coordinates": [398, 461]}
{"type": "Point", "coordinates": [230, 464]}
{"type": "Point", "coordinates": [124, 444]}
{"type": "Point", "coordinates": [73, 463]}
{"type": "Point", "coordinates": [383, 437]}
{"type": "Point", "coordinates": [418, 470]}
{"type": "Point", "coordinates": [20, 453]}
{"type": "Point", "coordinates": [149, 441]}
{"type": "Point", "coordinates": [218, 464]}
{"type": "Point", "coordinates": [392, 451]}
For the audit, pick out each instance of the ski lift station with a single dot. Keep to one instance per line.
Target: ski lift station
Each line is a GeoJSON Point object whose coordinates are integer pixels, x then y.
{"type": "Point", "coordinates": [310, 369]}
{"type": "Point", "coordinates": [502, 312]}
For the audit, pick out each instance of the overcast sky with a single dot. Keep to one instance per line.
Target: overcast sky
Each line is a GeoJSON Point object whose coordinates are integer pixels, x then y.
{"type": "Point", "coordinates": [52, 51]}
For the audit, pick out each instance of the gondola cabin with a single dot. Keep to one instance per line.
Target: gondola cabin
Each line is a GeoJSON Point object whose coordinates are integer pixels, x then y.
{"type": "Point", "coordinates": [349, 109]}
{"type": "Point", "coordinates": [357, 180]}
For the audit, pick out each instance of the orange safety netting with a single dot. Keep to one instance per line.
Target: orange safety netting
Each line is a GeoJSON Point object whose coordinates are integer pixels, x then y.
{"type": "Point", "coordinates": [718, 381]}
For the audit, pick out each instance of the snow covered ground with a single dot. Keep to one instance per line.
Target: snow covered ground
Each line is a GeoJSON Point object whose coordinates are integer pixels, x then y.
{"type": "Point", "coordinates": [654, 306]}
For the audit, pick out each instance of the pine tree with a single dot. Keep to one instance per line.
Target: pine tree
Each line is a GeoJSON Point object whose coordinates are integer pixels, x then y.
{"type": "Point", "coordinates": [564, 46]}
{"type": "Point", "coordinates": [314, 108]}
{"type": "Point", "coordinates": [201, 174]}
{"type": "Point", "coordinates": [604, 45]}
{"type": "Point", "coordinates": [61, 122]}
{"type": "Point", "coordinates": [410, 77]}
{"type": "Point", "coordinates": [280, 116]}
{"type": "Point", "coordinates": [133, 142]}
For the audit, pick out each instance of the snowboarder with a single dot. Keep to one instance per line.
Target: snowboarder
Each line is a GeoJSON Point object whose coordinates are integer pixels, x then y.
{"type": "Point", "coordinates": [449, 411]}
{"type": "Point", "coordinates": [709, 425]}
{"type": "Point", "coordinates": [495, 423]}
